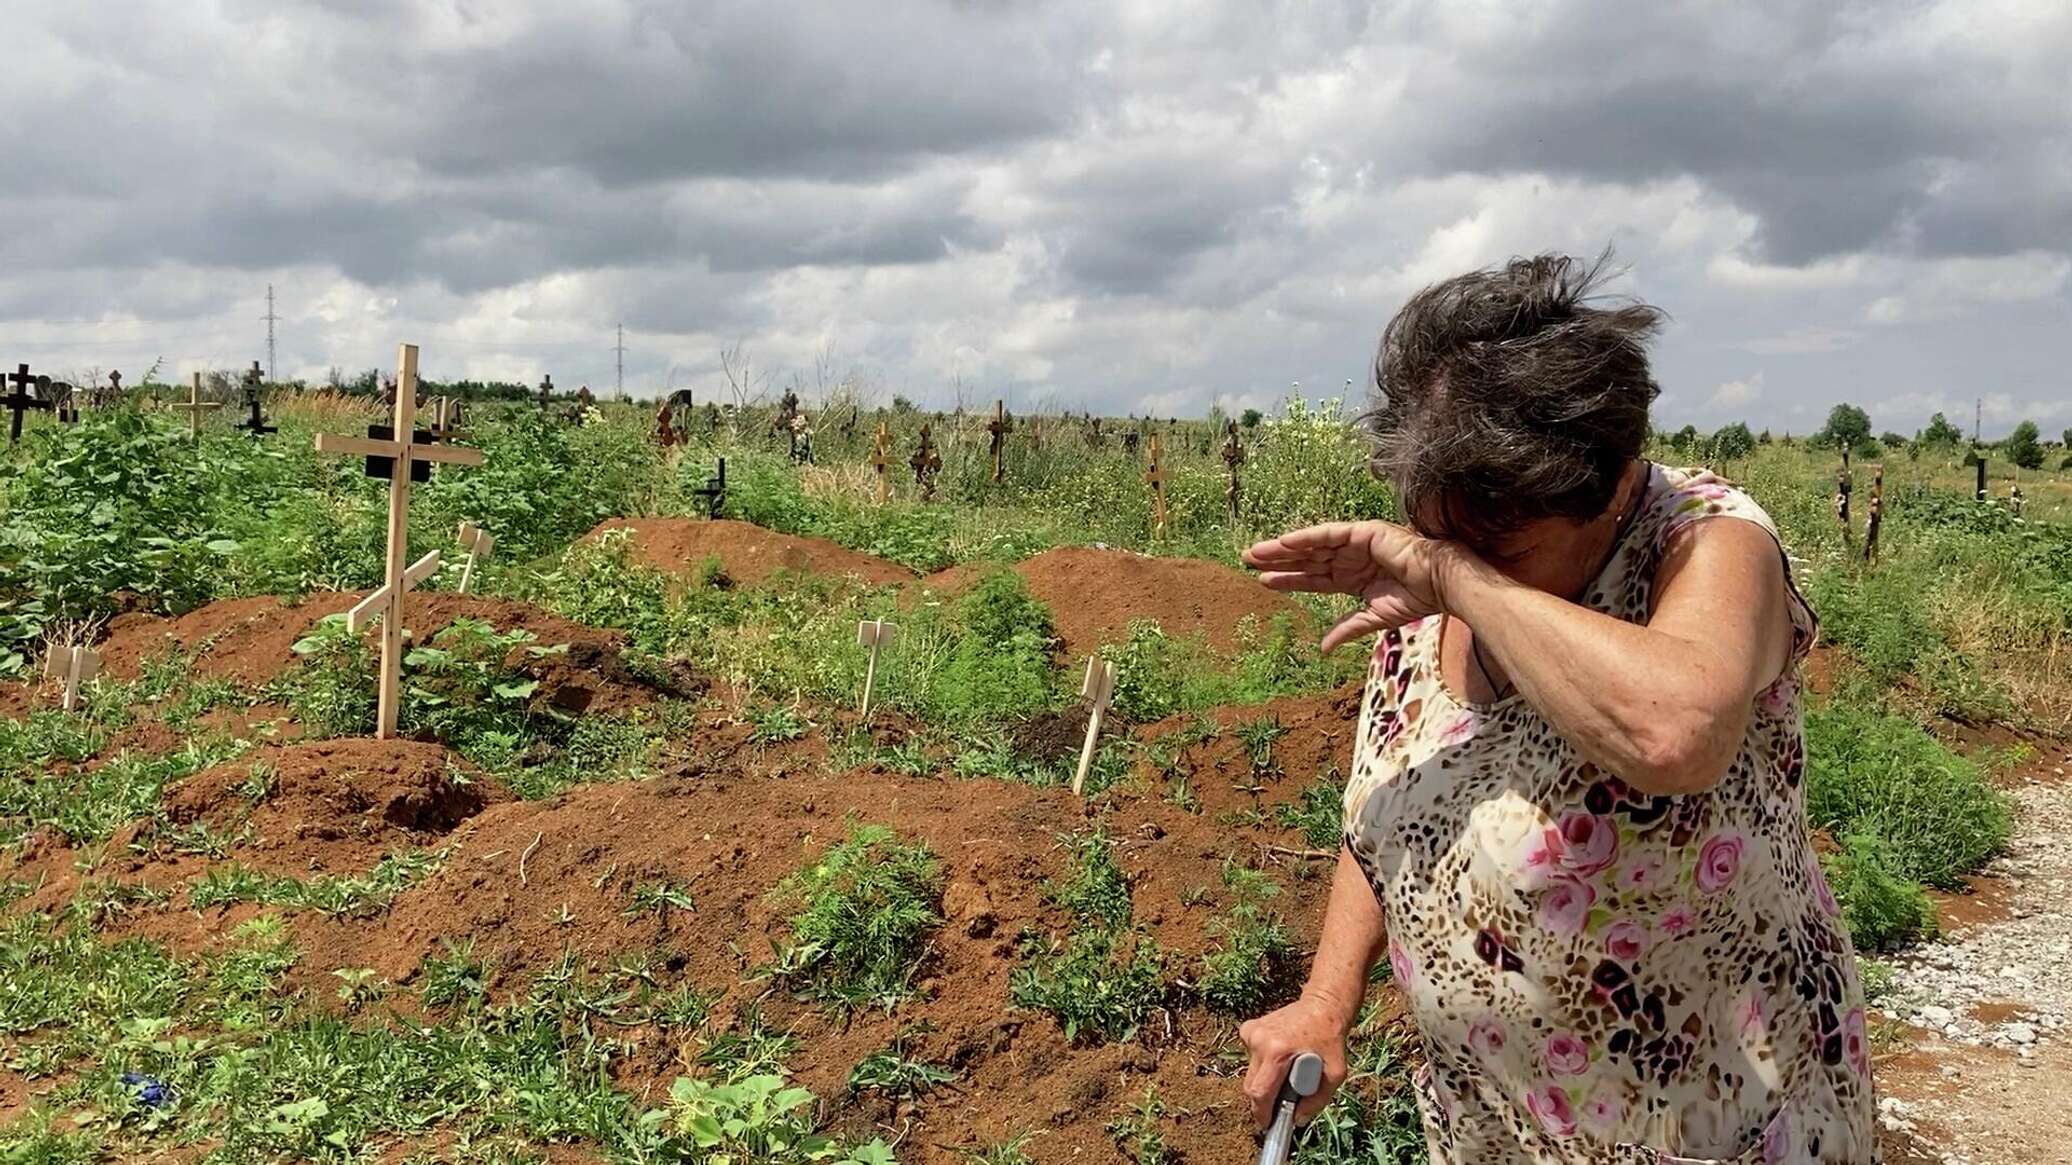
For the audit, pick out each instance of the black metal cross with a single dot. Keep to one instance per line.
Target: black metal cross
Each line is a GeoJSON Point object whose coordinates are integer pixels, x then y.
{"type": "Point", "coordinates": [715, 491]}
{"type": "Point", "coordinates": [20, 400]}
{"type": "Point", "coordinates": [256, 424]}
{"type": "Point", "coordinates": [546, 391]}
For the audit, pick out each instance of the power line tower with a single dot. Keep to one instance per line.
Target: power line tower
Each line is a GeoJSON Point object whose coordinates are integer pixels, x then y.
{"type": "Point", "coordinates": [269, 317]}
{"type": "Point", "coordinates": [621, 350]}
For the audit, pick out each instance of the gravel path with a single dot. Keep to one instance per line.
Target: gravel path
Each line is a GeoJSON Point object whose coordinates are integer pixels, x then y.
{"type": "Point", "coordinates": [1987, 1079]}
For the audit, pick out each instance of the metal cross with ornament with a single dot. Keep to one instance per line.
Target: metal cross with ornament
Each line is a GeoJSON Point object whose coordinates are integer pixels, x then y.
{"type": "Point", "coordinates": [881, 461]}
{"type": "Point", "coordinates": [402, 453]}
{"type": "Point", "coordinates": [255, 424]}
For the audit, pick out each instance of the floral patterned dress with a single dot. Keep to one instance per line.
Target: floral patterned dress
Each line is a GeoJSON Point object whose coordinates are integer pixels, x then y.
{"type": "Point", "coordinates": [1602, 976]}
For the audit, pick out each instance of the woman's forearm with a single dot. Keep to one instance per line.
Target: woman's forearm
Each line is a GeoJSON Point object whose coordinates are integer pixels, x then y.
{"type": "Point", "coordinates": [1663, 710]}
{"type": "Point", "coordinates": [1350, 943]}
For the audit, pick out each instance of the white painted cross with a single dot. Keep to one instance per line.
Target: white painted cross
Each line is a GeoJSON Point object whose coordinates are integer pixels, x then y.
{"type": "Point", "coordinates": [72, 666]}
{"type": "Point", "coordinates": [478, 543]}
{"type": "Point", "coordinates": [403, 451]}
{"type": "Point", "coordinates": [1099, 690]}
{"type": "Point", "coordinates": [194, 406]}
{"type": "Point", "coordinates": [874, 634]}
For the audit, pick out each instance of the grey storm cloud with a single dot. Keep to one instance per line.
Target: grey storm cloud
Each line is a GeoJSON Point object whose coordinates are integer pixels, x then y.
{"type": "Point", "coordinates": [1195, 201]}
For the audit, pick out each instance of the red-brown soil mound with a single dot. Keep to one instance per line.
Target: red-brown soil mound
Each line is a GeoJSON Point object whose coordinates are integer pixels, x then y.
{"type": "Point", "coordinates": [334, 804]}
{"type": "Point", "coordinates": [747, 552]}
{"type": "Point", "coordinates": [1094, 594]}
{"type": "Point", "coordinates": [251, 641]}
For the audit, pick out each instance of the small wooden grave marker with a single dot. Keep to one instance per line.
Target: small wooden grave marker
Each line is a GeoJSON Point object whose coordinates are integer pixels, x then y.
{"type": "Point", "coordinates": [405, 443]}
{"type": "Point", "coordinates": [1234, 460]}
{"type": "Point", "coordinates": [445, 419]}
{"type": "Point", "coordinates": [881, 461]}
{"type": "Point", "coordinates": [195, 406]}
{"type": "Point", "coordinates": [873, 634]}
{"type": "Point", "coordinates": [1099, 691]}
{"type": "Point", "coordinates": [1874, 517]}
{"type": "Point", "coordinates": [714, 491]}
{"type": "Point", "coordinates": [71, 666]}
{"type": "Point", "coordinates": [479, 544]}
{"type": "Point", "coordinates": [999, 427]}
{"type": "Point", "coordinates": [1156, 475]}
{"type": "Point", "coordinates": [20, 400]}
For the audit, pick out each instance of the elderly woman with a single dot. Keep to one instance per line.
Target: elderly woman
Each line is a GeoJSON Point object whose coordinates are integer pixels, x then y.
{"type": "Point", "coordinates": [1575, 820]}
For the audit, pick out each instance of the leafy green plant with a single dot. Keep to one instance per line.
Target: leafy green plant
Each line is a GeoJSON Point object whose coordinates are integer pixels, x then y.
{"type": "Point", "coordinates": [1139, 1136]}
{"type": "Point", "coordinates": [1881, 906]}
{"type": "Point", "coordinates": [755, 1121]}
{"type": "Point", "coordinates": [894, 1072]}
{"type": "Point", "coordinates": [1254, 951]}
{"type": "Point", "coordinates": [867, 908]}
{"type": "Point", "coordinates": [1869, 772]}
{"type": "Point", "coordinates": [1101, 984]}
{"type": "Point", "coordinates": [1096, 891]}
{"type": "Point", "coordinates": [1002, 663]}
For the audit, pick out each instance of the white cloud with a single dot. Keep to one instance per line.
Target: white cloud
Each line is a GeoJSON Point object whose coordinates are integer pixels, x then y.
{"type": "Point", "coordinates": [1734, 394]}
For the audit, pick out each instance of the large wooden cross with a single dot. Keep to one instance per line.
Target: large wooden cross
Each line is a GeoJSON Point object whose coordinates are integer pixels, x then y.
{"type": "Point", "coordinates": [195, 406]}
{"type": "Point", "coordinates": [20, 399]}
{"type": "Point", "coordinates": [396, 454]}
{"type": "Point", "coordinates": [1156, 475]}
{"type": "Point", "coordinates": [881, 461]}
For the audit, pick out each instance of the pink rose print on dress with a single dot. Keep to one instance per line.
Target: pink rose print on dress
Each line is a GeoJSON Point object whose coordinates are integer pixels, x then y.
{"type": "Point", "coordinates": [1601, 1113]}
{"type": "Point", "coordinates": [1541, 858]}
{"type": "Point", "coordinates": [1777, 1137]}
{"type": "Point", "coordinates": [1822, 892]}
{"type": "Point", "coordinates": [1566, 906]}
{"type": "Point", "coordinates": [1776, 699]}
{"type": "Point", "coordinates": [1753, 1017]}
{"type": "Point", "coordinates": [1625, 940]}
{"type": "Point", "coordinates": [1719, 861]}
{"type": "Point", "coordinates": [1460, 731]}
{"type": "Point", "coordinates": [1677, 921]}
{"type": "Point", "coordinates": [1641, 875]}
{"type": "Point", "coordinates": [1550, 1106]}
{"type": "Point", "coordinates": [1589, 844]}
{"type": "Point", "coordinates": [1856, 1044]}
{"type": "Point", "coordinates": [1566, 1055]}
{"type": "Point", "coordinates": [1401, 964]}
{"type": "Point", "coordinates": [1486, 1036]}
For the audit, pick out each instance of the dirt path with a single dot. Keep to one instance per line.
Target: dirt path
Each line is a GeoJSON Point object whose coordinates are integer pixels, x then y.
{"type": "Point", "coordinates": [1985, 1063]}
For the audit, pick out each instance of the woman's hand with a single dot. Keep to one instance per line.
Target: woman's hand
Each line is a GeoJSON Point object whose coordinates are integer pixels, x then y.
{"type": "Point", "coordinates": [1309, 1024]}
{"type": "Point", "coordinates": [1395, 570]}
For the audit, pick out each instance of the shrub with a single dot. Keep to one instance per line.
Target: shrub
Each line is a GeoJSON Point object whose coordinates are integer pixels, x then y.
{"type": "Point", "coordinates": [1882, 908]}
{"type": "Point", "coordinates": [1001, 665]}
{"type": "Point", "coordinates": [867, 908]}
{"type": "Point", "coordinates": [1099, 983]}
{"type": "Point", "coordinates": [1872, 773]}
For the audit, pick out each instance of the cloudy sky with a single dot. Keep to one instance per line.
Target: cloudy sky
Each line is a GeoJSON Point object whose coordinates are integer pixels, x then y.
{"type": "Point", "coordinates": [1125, 205]}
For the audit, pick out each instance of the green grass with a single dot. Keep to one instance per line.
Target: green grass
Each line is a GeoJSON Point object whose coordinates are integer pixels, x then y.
{"type": "Point", "coordinates": [1935, 813]}
{"type": "Point", "coordinates": [865, 910]}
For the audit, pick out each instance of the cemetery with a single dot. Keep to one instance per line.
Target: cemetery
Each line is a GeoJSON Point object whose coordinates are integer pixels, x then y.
{"type": "Point", "coordinates": [935, 787]}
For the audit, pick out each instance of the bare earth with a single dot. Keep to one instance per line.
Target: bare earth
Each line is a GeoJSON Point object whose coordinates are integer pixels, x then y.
{"type": "Point", "coordinates": [1983, 1070]}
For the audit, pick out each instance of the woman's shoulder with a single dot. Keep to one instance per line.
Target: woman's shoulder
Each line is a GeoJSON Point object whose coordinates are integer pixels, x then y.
{"type": "Point", "coordinates": [1680, 498]}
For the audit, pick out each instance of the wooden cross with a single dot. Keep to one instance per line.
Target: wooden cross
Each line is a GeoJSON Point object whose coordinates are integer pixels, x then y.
{"type": "Point", "coordinates": [404, 448]}
{"type": "Point", "coordinates": [20, 400]}
{"type": "Point", "coordinates": [1875, 518]}
{"type": "Point", "coordinates": [927, 463]}
{"type": "Point", "coordinates": [1156, 475]}
{"type": "Point", "coordinates": [873, 634]}
{"type": "Point", "coordinates": [1234, 458]}
{"type": "Point", "coordinates": [1099, 690]}
{"type": "Point", "coordinates": [881, 460]}
{"type": "Point", "coordinates": [714, 491]}
{"type": "Point", "coordinates": [71, 666]}
{"type": "Point", "coordinates": [195, 406]}
{"type": "Point", "coordinates": [479, 543]}
{"type": "Point", "coordinates": [998, 428]}
{"type": "Point", "coordinates": [546, 391]}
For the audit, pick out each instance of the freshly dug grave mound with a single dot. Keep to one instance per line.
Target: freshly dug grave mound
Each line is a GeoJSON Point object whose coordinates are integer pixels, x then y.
{"type": "Point", "coordinates": [332, 805]}
{"type": "Point", "coordinates": [1093, 595]}
{"type": "Point", "coordinates": [1262, 755]}
{"type": "Point", "coordinates": [747, 552]}
{"type": "Point", "coordinates": [251, 641]}
{"type": "Point", "coordinates": [528, 883]}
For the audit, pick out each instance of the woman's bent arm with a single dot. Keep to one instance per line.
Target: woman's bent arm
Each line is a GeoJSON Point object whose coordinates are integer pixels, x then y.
{"type": "Point", "coordinates": [1347, 950]}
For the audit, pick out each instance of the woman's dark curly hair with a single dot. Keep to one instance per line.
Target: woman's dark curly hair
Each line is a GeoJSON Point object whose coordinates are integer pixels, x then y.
{"type": "Point", "coordinates": [1505, 397]}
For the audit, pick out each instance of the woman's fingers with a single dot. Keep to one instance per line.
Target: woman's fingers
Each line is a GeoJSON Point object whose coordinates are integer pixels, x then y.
{"type": "Point", "coordinates": [1271, 1053]}
{"type": "Point", "coordinates": [1358, 625]}
{"type": "Point", "coordinates": [1300, 544]}
{"type": "Point", "coordinates": [1302, 580]}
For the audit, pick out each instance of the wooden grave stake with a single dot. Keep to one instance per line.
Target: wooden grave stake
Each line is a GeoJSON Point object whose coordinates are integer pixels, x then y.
{"type": "Point", "coordinates": [873, 634]}
{"type": "Point", "coordinates": [20, 400]}
{"type": "Point", "coordinates": [1874, 518]}
{"type": "Point", "coordinates": [998, 427]}
{"type": "Point", "coordinates": [72, 666]}
{"type": "Point", "coordinates": [1099, 690]}
{"type": "Point", "coordinates": [1156, 475]}
{"type": "Point", "coordinates": [195, 406]}
{"type": "Point", "coordinates": [1234, 459]}
{"type": "Point", "coordinates": [402, 454]}
{"type": "Point", "coordinates": [479, 544]}
{"type": "Point", "coordinates": [881, 461]}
